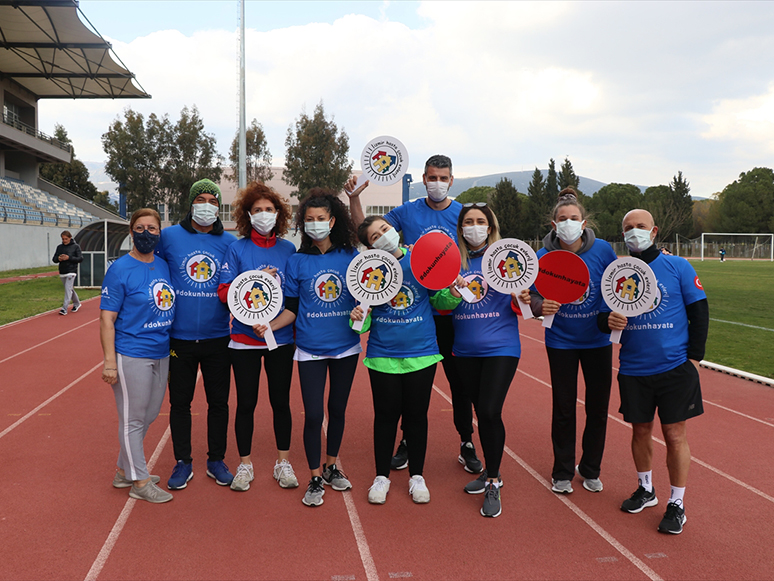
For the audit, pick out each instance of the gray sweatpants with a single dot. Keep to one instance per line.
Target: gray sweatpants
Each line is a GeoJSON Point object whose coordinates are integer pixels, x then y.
{"type": "Point", "coordinates": [68, 280]}
{"type": "Point", "coordinates": [139, 394]}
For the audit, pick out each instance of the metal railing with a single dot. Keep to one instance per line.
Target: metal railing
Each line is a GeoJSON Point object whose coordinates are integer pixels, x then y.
{"type": "Point", "coordinates": [13, 121]}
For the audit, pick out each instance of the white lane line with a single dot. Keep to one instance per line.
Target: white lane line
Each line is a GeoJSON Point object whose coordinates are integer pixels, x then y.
{"type": "Point", "coordinates": [47, 341]}
{"type": "Point", "coordinates": [357, 527]}
{"type": "Point", "coordinates": [738, 413]}
{"type": "Point", "coordinates": [631, 557]}
{"type": "Point", "coordinates": [27, 416]}
{"type": "Point", "coordinates": [741, 324]}
{"type": "Point", "coordinates": [110, 542]}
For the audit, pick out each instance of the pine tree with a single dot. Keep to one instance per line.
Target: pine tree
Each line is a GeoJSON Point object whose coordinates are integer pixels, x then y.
{"type": "Point", "coordinates": [506, 204]}
{"type": "Point", "coordinates": [258, 156]}
{"type": "Point", "coordinates": [567, 177]}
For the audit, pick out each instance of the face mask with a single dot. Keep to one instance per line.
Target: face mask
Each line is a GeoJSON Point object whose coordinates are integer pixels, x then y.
{"type": "Point", "coordinates": [204, 214]}
{"type": "Point", "coordinates": [145, 242]}
{"type": "Point", "coordinates": [475, 235]}
{"type": "Point", "coordinates": [638, 240]}
{"type": "Point", "coordinates": [263, 222]}
{"type": "Point", "coordinates": [437, 191]}
{"type": "Point", "coordinates": [318, 230]}
{"type": "Point", "coordinates": [569, 230]}
{"type": "Point", "coordinates": [388, 241]}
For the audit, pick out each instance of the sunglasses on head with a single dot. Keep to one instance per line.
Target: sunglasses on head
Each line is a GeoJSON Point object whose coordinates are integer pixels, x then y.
{"type": "Point", "coordinates": [475, 205]}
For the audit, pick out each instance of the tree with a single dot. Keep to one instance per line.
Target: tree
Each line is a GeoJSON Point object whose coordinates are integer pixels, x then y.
{"type": "Point", "coordinates": [103, 199]}
{"type": "Point", "coordinates": [475, 194]}
{"type": "Point", "coordinates": [257, 155]}
{"type": "Point", "coordinates": [316, 154]}
{"type": "Point", "coordinates": [540, 202]}
{"type": "Point", "coordinates": [507, 206]}
{"type": "Point", "coordinates": [671, 207]}
{"type": "Point", "coordinates": [747, 204]}
{"type": "Point", "coordinates": [552, 183]}
{"type": "Point", "coordinates": [609, 205]}
{"type": "Point", "coordinates": [73, 176]}
{"type": "Point", "coordinates": [567, 177]}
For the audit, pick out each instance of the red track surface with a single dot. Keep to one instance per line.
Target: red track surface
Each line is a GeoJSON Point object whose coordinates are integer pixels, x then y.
{"type": "Point", "coordinates": [61, 519]}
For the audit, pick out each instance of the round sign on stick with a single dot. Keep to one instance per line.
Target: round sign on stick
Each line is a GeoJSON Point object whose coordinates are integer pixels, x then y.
{"type": "Point", "coordinates": [374, 277]}
{"type": "Point", "coordinates": [629, 287]}
{"type": "Point", "coordinates": [510, 266]}
{"type": "Point", "coordinates": [384, 161]}
{"type": "Point", "coordinates": [435, 261]}
{"type": "Point", "coordinates": [563, 277]}
{"type": "Point", "coordinates": [255, 298]}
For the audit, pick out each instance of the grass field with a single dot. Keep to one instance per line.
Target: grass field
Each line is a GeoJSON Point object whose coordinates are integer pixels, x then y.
{"type": "Point", "coordinates": [739, 293]}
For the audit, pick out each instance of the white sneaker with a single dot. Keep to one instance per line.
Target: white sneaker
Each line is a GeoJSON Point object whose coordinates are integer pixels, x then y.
{"type": "Point", "coordinates": [418, 490]}
{"type": "Point", "coordinates": [244, 476]}
{"type": "Point", "coordinates": [377, 494]}
{"type": "Point", "coordinates": [284, 475]}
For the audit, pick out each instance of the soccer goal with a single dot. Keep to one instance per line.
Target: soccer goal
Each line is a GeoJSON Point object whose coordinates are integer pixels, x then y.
{"type": "Point", "coordinates": [737, 245]}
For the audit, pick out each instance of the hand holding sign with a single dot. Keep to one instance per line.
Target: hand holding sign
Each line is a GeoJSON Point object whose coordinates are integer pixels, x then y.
{"type": "Point", "coordinates": [563, 278]}
{"type": "Point", "coordinates": [384, 161]}
{"type": "Point", "coordinates": [629, 287]}
{"type": "Point", "coordinates": [255, 298]}
{"type": "Point", "coordinates": [374, 277]}
{"type": "Point", "coordinates": [510, 266]}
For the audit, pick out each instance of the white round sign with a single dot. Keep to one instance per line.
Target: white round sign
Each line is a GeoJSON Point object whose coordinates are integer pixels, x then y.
{"type": "Point", "coordinates": [384, 160]}
{"type": "Point", "coordinates": [509, 265]}
{"type": "Point", "coordinates": [255, 297]}
{"type": "Point", "coordinates": [374, 277]}
{"type": "Point", "coordinates": [629, 286]}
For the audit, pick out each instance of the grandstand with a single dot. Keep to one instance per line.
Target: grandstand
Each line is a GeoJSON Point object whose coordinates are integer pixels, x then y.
{"type": "Point", "coordinates": [23, 204]}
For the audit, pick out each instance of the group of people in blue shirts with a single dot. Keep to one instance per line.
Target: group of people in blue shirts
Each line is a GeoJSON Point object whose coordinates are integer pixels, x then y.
{"type": "Point", "coordinates": [163, 307]}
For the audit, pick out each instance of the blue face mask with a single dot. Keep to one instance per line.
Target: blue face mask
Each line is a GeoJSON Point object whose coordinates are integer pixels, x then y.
{"type": "Point", "coordinates": [145, 242]}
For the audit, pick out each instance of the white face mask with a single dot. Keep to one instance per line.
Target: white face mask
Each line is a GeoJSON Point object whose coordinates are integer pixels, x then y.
{"type": "Point", "coordinates": [318, 230]}
{"type": "Point", "coordinates": [569, 230]}
{"type": "Point", "coordinates": [263, 222]}
{"type": "Point", "coordinates": [475, 235]}
{"type": "Point", "coordinates": [204, 214]}
{"type": "Point", "coordinates": [388, 241]}
{"type": "Point", "coordinates": [638, 240]}
{"type": "Point", "coordinates": [437, 191]}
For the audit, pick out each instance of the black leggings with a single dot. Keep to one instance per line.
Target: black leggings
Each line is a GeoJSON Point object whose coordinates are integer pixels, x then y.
{"type": "Point", "coordinates": [461, 396]}
{"type": "Point", "coordinates": [247, 374]}
{"type": "Point", "coordinates": [396, 395]}
{"type": "Point", "coordinates": [488, 380]}
{"type": "Point", "coordinates": [597, 365]}
{"type": "Point", "coordinates": [312, 375]}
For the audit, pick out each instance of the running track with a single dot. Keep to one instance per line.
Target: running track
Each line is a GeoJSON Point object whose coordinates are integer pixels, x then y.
{"type": "Point", "coordinates": [61, 519]}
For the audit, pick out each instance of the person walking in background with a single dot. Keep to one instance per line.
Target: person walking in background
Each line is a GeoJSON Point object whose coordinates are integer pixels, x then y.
{"type": "Point", "coordinates": [574, 340]}
{"type": "Point", "coordinates": [136, 313]}
{"type": "Point", "coordinates": [262, 218]}
{"type": "Point", "coordinates": [68, 256]}
{"type": "Point", "coordinates": [194, 250]}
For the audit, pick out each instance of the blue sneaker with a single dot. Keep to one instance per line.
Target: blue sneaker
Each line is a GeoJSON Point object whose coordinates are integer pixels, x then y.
{"type": "Point", "coordinates": [220, 472]}
{"type": "Point", "coordinates": [180, 476]}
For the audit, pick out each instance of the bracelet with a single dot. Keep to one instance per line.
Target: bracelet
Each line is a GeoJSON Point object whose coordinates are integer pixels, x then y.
{"type": "Point", "coordinates": [110, 369]}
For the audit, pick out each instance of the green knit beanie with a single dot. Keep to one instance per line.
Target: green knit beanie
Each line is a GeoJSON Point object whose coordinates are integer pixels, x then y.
{"type": "Point", "coordinates": [204, 187]}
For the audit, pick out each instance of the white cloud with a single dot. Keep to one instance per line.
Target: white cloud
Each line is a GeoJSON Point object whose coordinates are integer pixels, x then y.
{"type": "Point", "coordinates": [747, 122]}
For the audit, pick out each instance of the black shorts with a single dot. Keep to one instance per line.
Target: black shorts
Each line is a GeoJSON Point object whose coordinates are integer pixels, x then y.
{"type": "Point", "coordinates": [676, 393]}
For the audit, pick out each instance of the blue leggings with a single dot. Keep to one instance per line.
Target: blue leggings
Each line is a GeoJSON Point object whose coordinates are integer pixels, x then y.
{"type": "Point", "coordinates": [312, 376]}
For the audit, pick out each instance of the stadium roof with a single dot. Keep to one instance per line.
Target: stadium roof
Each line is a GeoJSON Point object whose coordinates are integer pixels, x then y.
{"type": "Point", "coordinates": [45, 48]}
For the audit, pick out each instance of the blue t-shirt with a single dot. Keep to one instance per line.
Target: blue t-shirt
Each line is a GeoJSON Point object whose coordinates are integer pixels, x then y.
{"type": "Point", "coordinates": [415, 219]}
{"type": "Point", "coordinates": [488, 327]}
{"type": "Point", "coordinates": [244, 255]}
{"type": "Point", "coordinates": [324, 302]}
{"type": "Point", "coordinates": [658, 340]}
{"type": "Point", "coordinates": [195, 260]}
{"type": "Point", "coordinates": [575, 324]}
{"type": "Point", "coordinates": [144, 298]}
{"type": "Point", "coordinates": [404, 326]}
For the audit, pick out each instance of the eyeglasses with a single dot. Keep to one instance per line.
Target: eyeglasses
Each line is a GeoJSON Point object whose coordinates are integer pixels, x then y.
{"type": "Point", "coordinates": [475, 205]}
{"type": "Point", "coordinates": [141, 229]}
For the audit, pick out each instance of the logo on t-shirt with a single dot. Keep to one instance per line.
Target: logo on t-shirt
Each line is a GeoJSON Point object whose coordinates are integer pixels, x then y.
{"type": "Point", "coordinates": [328, 287]}
{"type": "Point", "coordinates": [199, 269]}
{"type": "Point", "coordinates": [403, 300]}
{"type": "Point", "coordinates": [478, 286]}
{"type": "Point", "coordinates": [163, 296]}
{"type": "Point", "coordinates": [697, 282]}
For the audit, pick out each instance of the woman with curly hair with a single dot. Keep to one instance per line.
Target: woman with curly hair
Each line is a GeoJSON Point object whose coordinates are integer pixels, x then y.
{"type": "Point", "coordinates": [316, 291]}
{"type": "Point", "coordinates": [262, 218]}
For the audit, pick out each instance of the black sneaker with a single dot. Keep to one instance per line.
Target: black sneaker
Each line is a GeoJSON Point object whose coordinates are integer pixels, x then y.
{"type": "Point", "coordinates": [400, 460]}
{"type": "Point", "coordinates": [314, 492]}
{"type": "Point", "coordinates": [674, 519]}
{"type": "Point", "coordinates": [492, 505]}
{"type": "Point", "coordinates": [639, 500]}
{"type": "Point", "coordinates": [478, 486]}
{"type": "Point", "coordinates": [468, 458]}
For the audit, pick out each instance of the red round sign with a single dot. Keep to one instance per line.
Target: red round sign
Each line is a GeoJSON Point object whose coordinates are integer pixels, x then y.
{"type": "Point", "coordinates": [562, 276]}
{"type": "Point", "coordinates": [435, 260]}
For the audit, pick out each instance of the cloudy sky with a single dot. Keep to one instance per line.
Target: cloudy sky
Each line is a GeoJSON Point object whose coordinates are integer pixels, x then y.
{"type": "Point", "coordinates": [630, 91]}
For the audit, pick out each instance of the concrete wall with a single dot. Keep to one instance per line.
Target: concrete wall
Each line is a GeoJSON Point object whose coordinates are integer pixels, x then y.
{"type": "Point", "coordinates": [28, 246]}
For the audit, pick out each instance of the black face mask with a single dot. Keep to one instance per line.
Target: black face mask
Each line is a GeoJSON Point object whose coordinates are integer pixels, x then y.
{"type": "Point", "coordinates": [145, 242]}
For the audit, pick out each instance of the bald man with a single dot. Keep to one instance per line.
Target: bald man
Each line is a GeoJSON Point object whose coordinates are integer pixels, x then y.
{"type": "Point", "coordinates": [658, 370]}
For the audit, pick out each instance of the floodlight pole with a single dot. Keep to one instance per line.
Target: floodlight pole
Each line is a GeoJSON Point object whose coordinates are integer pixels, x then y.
{"type": "Point", "coordinates": [242, 122]}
